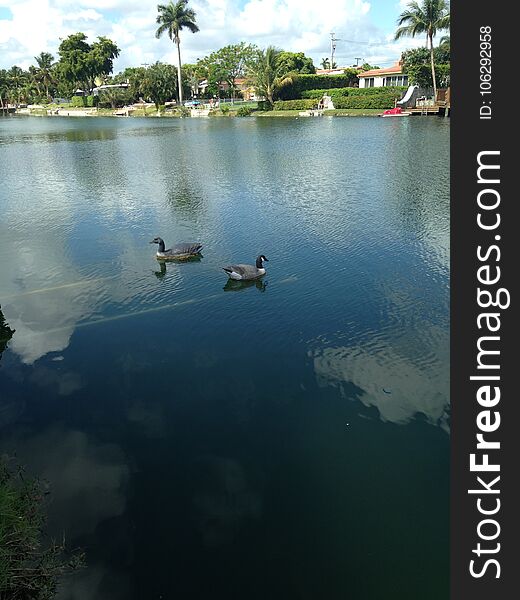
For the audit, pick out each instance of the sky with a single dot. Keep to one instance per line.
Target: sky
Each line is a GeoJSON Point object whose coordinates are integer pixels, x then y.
{"type": "Point", "coordinates": [364, 29]}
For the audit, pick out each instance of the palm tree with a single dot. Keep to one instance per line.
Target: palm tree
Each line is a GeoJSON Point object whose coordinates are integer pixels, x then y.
{"type": "Point", "coordinates": [17, 79]}
{"type": "Point", "coordinates": [44, 71]}
{"type": "Point", "coordinates": [428, 17]}
{"type": "Point", "coordinates": [325, 63]}
{"type": "Point", "coordinates": [172, 18]}
{"type": "Point", "coordinates": [266, 75]}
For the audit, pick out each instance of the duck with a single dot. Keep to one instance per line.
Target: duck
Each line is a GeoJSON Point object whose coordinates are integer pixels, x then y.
{"type": "Point", "coordinates": [247, 272]}
{"type": "Point", "coordinates": [181, 251]}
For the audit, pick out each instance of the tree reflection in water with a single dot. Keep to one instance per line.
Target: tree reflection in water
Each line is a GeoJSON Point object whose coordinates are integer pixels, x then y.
{"type": "Point", "coordinates": [6, 333]}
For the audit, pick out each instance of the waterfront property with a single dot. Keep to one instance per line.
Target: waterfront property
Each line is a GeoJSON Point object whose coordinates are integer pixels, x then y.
{"type": "Point", "coordinates": [387, 77]}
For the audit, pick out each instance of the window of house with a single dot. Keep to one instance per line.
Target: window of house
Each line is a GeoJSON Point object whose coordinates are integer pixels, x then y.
{"type": "Point", "coordinates": [396, 80]}
{"type": "Point", "coordinates": [369, 82]}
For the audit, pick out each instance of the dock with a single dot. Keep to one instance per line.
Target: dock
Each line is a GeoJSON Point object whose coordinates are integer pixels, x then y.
{"type": "Point", "coordinates": [440, 107]}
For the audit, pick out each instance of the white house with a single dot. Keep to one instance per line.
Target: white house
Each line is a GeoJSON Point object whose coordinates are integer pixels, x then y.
{"type": "Point", "coordinates": [389, 77]}
{"type": "Point", "coordinates": [336, 71]}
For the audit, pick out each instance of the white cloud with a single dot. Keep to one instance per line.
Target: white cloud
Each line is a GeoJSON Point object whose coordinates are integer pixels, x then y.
{"type": "Point", "coordinates": [83, 15]}
{"type": "Point", "coordinates": [298, 25]}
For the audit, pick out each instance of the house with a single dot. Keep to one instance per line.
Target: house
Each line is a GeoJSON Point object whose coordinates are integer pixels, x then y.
{"type": "Point", "coordinates": [388, 77]}
{"type": "Point", "coordinates": [243, 88]}
{"type": "Point", "coordinates": [336, 71]}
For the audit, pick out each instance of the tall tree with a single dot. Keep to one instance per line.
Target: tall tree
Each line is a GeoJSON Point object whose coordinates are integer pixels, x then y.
{"type": "Point", "coordinates": [295, 62]}
{"type": "Point", "coordinates": [265, 73]}
{"type": "Point", "coordinates": [17, 79]}
{"type": "Point", "coordinates": [191, 75]}
{"type": "Point", "coordinates": [417, 65]}
{"type": "Point", "coordinates": [159, 83]}
{"type": "Point", "coordinates": [227, 65]}
{"type": "Point", "coordinates": [80, 63]}
{"type": "Point", "coordinates": [44, 71]}
{"type": "Point", "coordinates": [173, 18]}
{"type": "Point", "coordinates": [4, 87]}
{"type": "Point", "coordinates": [426, 18]}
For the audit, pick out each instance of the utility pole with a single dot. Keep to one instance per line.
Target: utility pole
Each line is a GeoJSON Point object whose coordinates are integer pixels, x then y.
{"type": "Point", "coordinates": [357, 60]}
{"type": "Point", "coordinates": [333, 41]}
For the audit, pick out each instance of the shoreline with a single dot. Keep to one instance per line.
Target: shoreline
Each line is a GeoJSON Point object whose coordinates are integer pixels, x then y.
{"type": "Point", "coordinates": [284, 114]}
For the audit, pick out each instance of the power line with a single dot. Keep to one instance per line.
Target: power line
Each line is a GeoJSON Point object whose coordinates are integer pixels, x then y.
{"type": "Point", "coordinates": [365, 43]}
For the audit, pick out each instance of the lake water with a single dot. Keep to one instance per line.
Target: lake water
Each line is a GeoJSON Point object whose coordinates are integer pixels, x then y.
{"type": "Point", "coordinates": [286, 440]}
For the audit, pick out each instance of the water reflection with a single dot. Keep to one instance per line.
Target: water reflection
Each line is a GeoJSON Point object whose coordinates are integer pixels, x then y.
{"type": "Point", "coordinates": [87, 476]}
{"type": "Point", "coordinates": [87, 481]}
{"type": "Point", "coordinates": [237, 286]}
{"type": "Point", "coordinates": [154, 367]}
{"type": "Point", "coordinates": [390, 379]}
{"type": "Point", "coordinates": [222, 499]}
{"type": "Point", "coordinates": [161, 273]}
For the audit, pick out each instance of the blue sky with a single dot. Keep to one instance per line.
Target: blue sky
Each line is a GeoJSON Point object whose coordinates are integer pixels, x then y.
{"type": "Point", "coordinates": [364, 28]}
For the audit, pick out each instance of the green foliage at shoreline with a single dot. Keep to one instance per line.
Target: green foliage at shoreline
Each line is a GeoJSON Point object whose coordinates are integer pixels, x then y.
{"type": "Point", "coordinates": [348, 91]}
{"type": "Point", "coordinates": [383, 100]}
{"type": "Point", "coordinates": [28, 570]}
{"type": "Point", "coordinates": [83, 101]}
{"type": "Point", "coordinates": [302, 83]}
{"type": "Point", "coordinates": [294, 104]}
{"type": "Point", "coordinates": [380, 98]}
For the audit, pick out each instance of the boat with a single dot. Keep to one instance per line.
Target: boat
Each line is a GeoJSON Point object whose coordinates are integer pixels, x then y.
{"type": "Point", "coordinates": [395, 112]}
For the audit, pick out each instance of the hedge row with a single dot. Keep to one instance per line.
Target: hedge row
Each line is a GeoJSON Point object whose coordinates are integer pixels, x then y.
{"type": "Point", "coordinates": [383, 100]}
{"type": "Point", "coordinates": [315, 82]}
{"type": "Point", "coordinates": [349, 91]}
{"type": "Point", "coordinates": [82, 101]}
{"type": "Point", "coordinates": [294, 104]}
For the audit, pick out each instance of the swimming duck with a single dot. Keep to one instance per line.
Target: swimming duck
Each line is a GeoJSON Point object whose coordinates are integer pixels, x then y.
{"type": "Point", "coordinates": [181, 251]}
{"type": "Point", "coordinates": [247, 272]}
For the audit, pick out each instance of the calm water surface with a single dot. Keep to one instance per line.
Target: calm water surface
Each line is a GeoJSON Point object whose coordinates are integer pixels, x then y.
{"type": "Point", "coordinates": [286, 440]}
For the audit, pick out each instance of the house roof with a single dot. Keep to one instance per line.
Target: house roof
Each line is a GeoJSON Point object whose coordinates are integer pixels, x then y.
{"type": "Point", "coordinates": [336, 71]}
{"type": "Point", "coordinates": [396, 69]}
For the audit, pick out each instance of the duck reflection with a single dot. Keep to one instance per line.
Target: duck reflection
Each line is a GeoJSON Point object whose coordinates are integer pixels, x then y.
{"type": "Point", "coordinates": [161, 273]}
{"type": "Point", "coordinates": [6, 333]}
{"type": "Point", "coordinates": [236, 286]}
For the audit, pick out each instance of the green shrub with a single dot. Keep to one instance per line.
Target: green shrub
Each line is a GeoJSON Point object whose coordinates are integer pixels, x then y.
{"type": "Point", "coordinates": [30, 565]}
{"type": "Point", "coordinates": [302, 83]}
{"type": "Point", "coordinates": [77, 101]}
{"type": "Point", "coordinates": [244, 111]}
{"type": "Point", "coordinates": [383, 100]}
{"type": "Point", "coordinates": [264, 105]}
{"type": "Point", "coordinates": [224, 109]}
{"type": "Point", "coordinates": [349, 91]}
{"type": "Point", "coordinates": [84, 101]}
{"type": "Point", "coordinates": [294, 104]}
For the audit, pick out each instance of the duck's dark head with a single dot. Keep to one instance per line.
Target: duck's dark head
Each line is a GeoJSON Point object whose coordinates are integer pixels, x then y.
{"type": "Point", "coordinates": [260, 260]}
{"type": "Point", "coordinates": [158, 240]}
